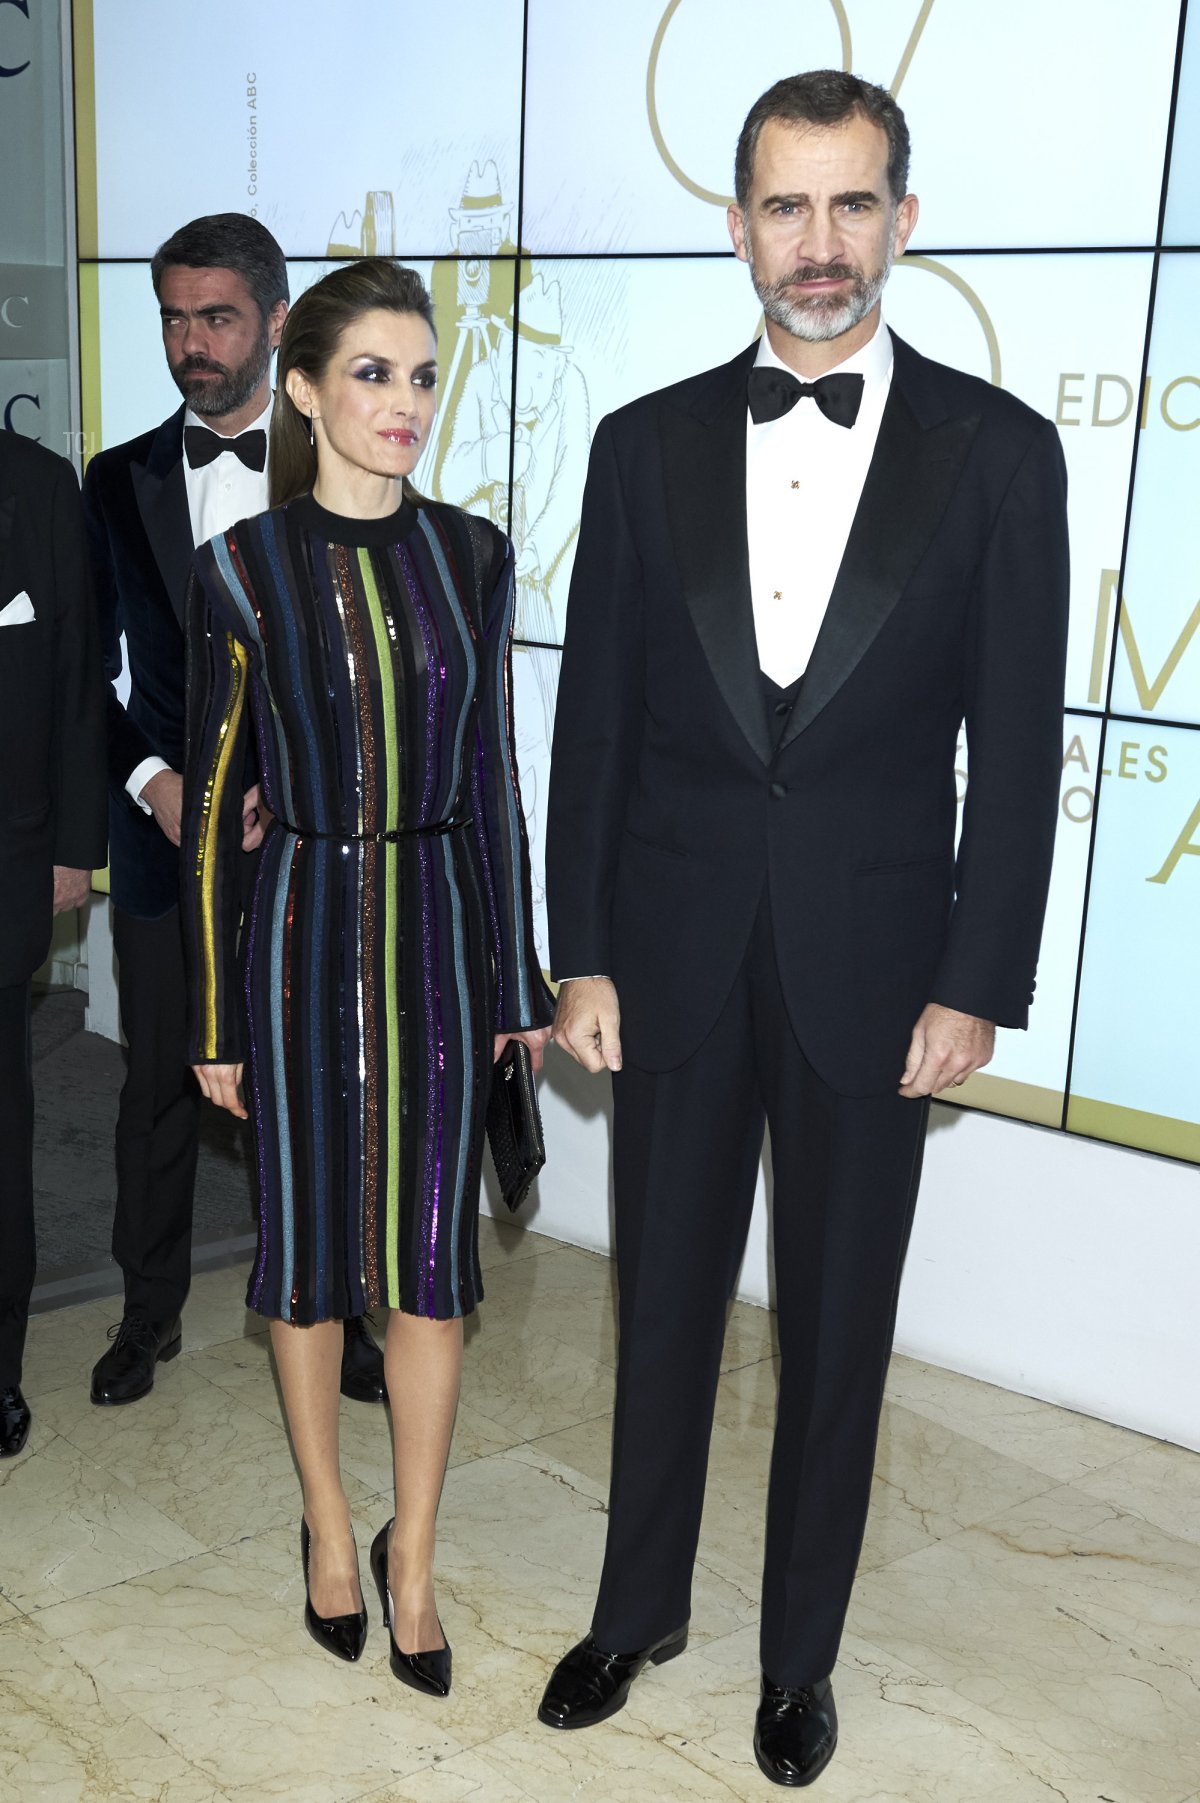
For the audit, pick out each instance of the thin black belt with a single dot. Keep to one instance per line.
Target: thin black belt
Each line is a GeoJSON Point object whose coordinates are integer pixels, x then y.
{"type": "Point", "coordinates": [437, 830]}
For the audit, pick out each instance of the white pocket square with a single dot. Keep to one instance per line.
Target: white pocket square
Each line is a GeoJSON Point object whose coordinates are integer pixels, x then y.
{"type": "Point", "coordinates": [19, 611]}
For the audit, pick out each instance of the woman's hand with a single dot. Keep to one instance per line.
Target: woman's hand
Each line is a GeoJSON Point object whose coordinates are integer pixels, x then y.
{"type": "Point", "coordinates": [220, 1083]}
{"type": "Point", "coordinates": [535, 1038]}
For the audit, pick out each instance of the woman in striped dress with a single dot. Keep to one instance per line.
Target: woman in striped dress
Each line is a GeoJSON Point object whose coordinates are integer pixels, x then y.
{"type": "Point", "coordinates": [362, 636]}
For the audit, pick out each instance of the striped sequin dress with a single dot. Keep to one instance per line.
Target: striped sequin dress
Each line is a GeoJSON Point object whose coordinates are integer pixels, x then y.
{"type": "Point", "coordinates": [389, 934]}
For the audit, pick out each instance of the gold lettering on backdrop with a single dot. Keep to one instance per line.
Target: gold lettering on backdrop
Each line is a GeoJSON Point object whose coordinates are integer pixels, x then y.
{"type": "Point", "coordinates": [1116, 419]}
{"type": "Point", "coordinates": [1178, 425]}
{"type": "Point", "coordinates": [1187, 845]}
{"type": "Point", "coordinates": [1079, 801]}
{"type": "Point", "coordinates": [1169, 408]}
{"type": "Point", "coordinates": [969, 295]}
{"type": "Point", "coordinates": [910, 48]}
{"type": "Point", "coordinates": [1067, 400]}
{"type": "Point", "coordinates": [843, 25]}
{"type": "Point", "coordinates": [1077, 804]}
{"type": "Point", "coordinates": [656, 131]}
{"type": "Point", "coordinates": [1108, 588]}
{"type": "Point", "coordinates": [1128, 753]}
{"type": "Point", "coordinates": [1149, 693]}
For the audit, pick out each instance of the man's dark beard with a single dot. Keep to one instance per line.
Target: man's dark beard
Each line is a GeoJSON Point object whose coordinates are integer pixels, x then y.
{"type": "Point", "coordinates": [232, 388]}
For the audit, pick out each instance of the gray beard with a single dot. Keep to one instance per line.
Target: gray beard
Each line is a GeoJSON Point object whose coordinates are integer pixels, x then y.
{"type": "Point", "coordinates": [820, 318]}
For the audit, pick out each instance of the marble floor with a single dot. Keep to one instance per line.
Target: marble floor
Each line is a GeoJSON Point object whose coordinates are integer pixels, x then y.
{"type": "Point", "coordinates": [1026, 1623]}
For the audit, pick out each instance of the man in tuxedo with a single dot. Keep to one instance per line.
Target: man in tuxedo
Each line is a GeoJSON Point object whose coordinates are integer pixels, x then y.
{"type": "Point", "coordinates": [797, 576]}
{"type": "Point", "coordinates": [222, 288]}
{"type": "Point", "coordinates": [52, 822]}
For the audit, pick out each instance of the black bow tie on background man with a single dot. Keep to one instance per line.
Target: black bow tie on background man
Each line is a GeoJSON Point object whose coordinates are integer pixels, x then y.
{"type": "Point", "coordinates": [773, 392]}
{"type": "Point", "coordinates": [204, 446]}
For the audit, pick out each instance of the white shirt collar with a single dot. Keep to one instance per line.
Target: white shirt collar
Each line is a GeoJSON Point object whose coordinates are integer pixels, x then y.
{"type": "Point", "coordinates": [873, 362]}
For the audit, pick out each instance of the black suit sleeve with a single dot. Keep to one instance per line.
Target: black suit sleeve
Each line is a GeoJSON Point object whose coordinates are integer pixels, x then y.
{"type": "Point", "coordinates": [1015, 664]}
{"type": "Point", "coordinates": [128, 746]}
{"type": "Point", "coordinates": [77, 772]}
{"type": "Point", "coordinates": [597, 723]}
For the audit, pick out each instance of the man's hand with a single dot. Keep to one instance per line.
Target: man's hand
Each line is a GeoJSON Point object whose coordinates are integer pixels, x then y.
{"type": "Point", "coordinates": [219, 1082]}
{"type": "Point", "coordinates": [535, 1038]}
{"type": "Point", "coordinates": [946, 1047]}
{"type": "Point", "coordinates": [71, 887]}
{"type": "Point", "coordinates": [587, 1023]}
{"type": "Point", "coordinates": [255, 819]}
{"type": "Point", "coordinates": [164, 796]}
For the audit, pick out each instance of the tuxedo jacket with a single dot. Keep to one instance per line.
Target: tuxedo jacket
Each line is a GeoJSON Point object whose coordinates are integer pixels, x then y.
{"type": "Point", "coordinates": [51, 701]}
{"type": "Point", "coordinates": [140, 549]}
{"type": "Point", "coordinates": [675, 805]}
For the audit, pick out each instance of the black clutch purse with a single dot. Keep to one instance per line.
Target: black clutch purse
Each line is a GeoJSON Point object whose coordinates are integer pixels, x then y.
{"type": "Point", "coordinates": [514, 1123]}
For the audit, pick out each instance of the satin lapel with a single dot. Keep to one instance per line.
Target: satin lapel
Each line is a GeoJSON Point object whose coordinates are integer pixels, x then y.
{"type": "Point", "coordinates": [908, 487]}
{"type": "Point", "coordinates": [161, 494]}
{"type": "Point", "coordinates": [704, 474]}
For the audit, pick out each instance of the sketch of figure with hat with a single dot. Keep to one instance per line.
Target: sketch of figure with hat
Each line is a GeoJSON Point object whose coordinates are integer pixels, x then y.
{"type": "Point", "coordinates": [550, 438]}
{"type": "Point", "coordinates": [476, 293]}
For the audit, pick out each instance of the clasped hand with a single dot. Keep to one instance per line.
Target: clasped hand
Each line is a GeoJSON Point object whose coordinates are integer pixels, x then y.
{"type": "Point", "coordinates": [163, 795]}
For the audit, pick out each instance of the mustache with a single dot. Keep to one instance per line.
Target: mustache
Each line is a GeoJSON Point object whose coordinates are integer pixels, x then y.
{"type": "Point", "coordinates": [816, 272]}
{"type": "Point", "coordinates": [190, 365]}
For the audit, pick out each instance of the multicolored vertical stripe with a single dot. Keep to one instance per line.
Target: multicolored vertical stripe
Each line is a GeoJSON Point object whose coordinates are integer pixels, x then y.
{"type": "Point", "coordinates": [364, 668]}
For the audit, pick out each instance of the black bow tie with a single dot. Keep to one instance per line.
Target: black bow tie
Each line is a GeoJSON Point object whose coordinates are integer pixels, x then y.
{"type": "Point", "coordinates": [204, 447]}
{"type": "Point", "coordinates": [773, 392]}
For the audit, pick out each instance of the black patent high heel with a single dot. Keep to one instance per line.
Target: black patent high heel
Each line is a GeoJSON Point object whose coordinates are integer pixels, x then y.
{"type": "Point", "coordinates": [428, 1672]}
{"type": "Point", "coordinates": [344, 1636]}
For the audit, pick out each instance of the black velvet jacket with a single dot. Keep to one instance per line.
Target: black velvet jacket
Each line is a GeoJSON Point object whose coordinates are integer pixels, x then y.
{"type": "Point", "coordinates": [140, 550]}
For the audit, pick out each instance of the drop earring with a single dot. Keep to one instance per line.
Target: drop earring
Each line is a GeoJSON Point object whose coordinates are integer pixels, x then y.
{"type": "Point", "coordinates": [312, 432]}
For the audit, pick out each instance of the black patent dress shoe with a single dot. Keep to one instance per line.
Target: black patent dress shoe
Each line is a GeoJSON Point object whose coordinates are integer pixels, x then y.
{"type": "Point", "coordinates": [795, 1731]}
{"type": "Point", "coordinates": [362, 1363]}
{"type": "Point", "coordinates": [427, 1672]}
{"type": "Point", "coordinates": [589, 1685]}
{"type": "Point", "coordinates": [344, 1636]}
{"type": "Point", "coordinates": [126, 1372]}
{"type": "Point", "coordinates": [14, 1422]}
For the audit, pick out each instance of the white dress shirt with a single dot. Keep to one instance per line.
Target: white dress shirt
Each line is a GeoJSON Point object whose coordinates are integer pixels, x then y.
{"type": "Point", "coordinates": [218, 495]}
{"type": "Point", "coordinates": [804, 478]}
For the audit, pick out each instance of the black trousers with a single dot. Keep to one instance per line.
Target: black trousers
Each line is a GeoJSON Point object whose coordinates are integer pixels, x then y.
{"type": "Point", "coordinates": [157, 1138]}
{"type": "Point", "coordinates": [18, 1258]}
{"type": "Point", "coordinates": [686, 1149]}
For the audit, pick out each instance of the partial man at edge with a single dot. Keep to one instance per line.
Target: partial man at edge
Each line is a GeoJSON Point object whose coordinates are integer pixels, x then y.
{"type": "Point", "coordinates": [53, 823]}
